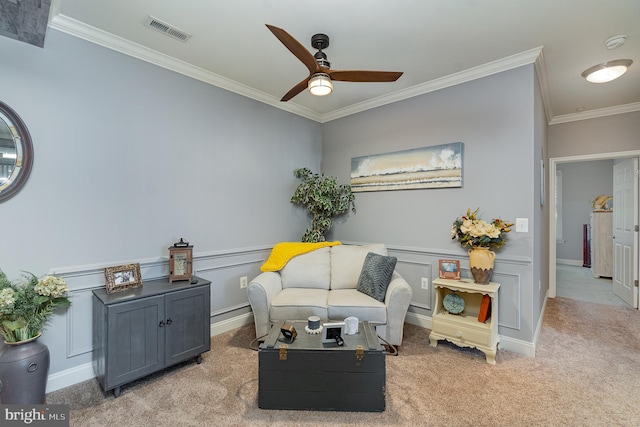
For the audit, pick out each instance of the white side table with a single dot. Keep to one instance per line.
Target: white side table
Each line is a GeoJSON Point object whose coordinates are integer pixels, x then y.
{"type": "Point", "coordinates": [464, 329]}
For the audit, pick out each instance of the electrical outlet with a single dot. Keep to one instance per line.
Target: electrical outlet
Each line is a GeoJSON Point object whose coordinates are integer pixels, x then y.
{"type": "Point", "coordinates": [243, 282]}
{"type": "Point", "coordinates": [425, 283]}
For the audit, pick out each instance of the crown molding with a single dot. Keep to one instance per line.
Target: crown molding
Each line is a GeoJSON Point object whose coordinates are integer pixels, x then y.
{"type": "Point", "coordinates": [102, 38]}
{"type": "Point", "coordinates": [92, 34]}
{"type": "Point", "coordinates": [593, 114]}
{"type": "Point", "coordinates": [543, 81]}
{"type": "Point", "coordinates": [488, 69]}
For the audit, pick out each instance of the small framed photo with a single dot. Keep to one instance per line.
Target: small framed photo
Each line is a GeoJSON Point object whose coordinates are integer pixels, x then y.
{"type": "Point", "coordinates": [449, 269]}
{"type": "Point", "coordinates": [332, 331]}
{"type": "Point", "coordinates": [122, 277]}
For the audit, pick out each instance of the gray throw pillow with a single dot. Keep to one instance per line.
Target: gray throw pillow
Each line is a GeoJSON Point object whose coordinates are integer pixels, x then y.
{"type": "Point", "coordinates": [376, 275]}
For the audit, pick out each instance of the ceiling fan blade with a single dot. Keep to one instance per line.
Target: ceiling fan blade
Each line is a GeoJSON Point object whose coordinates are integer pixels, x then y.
{"type": "Point", "coordinates": [296, 90]}
{"type": "Point", "coordinates": [295, 47]}
{"type": "Point", "coordinates": [364, 76]}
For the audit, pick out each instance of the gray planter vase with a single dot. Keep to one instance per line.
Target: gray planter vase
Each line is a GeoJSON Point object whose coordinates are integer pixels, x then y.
{"type": "Point", "coordinates": [24, 368]}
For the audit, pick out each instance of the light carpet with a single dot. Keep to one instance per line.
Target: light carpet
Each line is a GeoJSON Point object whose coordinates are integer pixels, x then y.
{"type": "Point", "coordinates": [586, 373]}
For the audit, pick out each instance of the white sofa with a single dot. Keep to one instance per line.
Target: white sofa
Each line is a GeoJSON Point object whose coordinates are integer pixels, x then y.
{"type": "Point", "coordinates": [324, 283]}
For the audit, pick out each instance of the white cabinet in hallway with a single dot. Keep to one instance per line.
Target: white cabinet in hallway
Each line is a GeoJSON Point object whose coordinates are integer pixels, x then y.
{"type": "Point", "coordinates": [602, 243]}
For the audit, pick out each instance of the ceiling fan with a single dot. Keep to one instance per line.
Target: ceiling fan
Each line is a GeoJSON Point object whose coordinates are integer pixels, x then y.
{"type": "Point", "coordinates": [320, 73]}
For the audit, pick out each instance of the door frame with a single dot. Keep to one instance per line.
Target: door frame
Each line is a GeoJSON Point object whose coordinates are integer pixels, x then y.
{"type": "Point", "coordinates": [553, 162]}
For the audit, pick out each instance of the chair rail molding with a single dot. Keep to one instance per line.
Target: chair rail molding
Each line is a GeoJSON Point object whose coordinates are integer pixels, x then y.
{"type": "Point", "coordinates": [71, 363]}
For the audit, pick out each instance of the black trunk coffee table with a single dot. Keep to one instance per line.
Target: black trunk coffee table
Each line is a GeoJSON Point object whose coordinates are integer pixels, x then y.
{"type": "Point", "coordinates": [311, 375]}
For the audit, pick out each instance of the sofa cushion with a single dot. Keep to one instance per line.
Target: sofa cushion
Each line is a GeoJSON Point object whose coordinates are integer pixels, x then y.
{"type": "Point", "coordinates": [350, 302]}
{"type": "Point", "coordinates": [299, 304]}
{"type": "Point", "coordinates": [376, 275]}
{"type": "Point", "coordinates": [310, 270]}
{"type": "Point", "coordinates": [347, 261]}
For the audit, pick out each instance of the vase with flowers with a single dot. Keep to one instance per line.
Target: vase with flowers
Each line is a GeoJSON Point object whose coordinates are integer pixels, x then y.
{"type": "Point", "coordinates": [25, 308]}
{"type": "Point", "coordinates": [480, 238]}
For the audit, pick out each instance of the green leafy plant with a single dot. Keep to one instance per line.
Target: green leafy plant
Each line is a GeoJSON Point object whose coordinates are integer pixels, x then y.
{"type": "Point", "coordinates": [25, 305]}
{"type": "Point", "coordinates": [324, 199]}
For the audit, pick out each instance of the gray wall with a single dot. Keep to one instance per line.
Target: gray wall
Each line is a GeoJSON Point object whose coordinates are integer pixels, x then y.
{"type": "Point", "coordinates": [129, 157]}
{"type": "Point", "coordinates": [541, 207]}
{"type": "Point", "coordinates": [503, 130]}
{"type": "Point", "coordinates": [582, 182]}
{"type": "Point", "coordinates": [602, 135]}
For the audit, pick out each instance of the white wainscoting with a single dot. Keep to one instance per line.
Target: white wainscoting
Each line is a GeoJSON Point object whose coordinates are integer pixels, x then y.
{"type": "Point", "coordinates": [417, 263]}
{"type": "Point", "coordinates": [71, 350]}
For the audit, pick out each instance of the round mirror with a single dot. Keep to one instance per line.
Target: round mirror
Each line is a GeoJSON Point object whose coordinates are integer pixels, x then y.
{"type": "Point", "coordinates": [16, 152]}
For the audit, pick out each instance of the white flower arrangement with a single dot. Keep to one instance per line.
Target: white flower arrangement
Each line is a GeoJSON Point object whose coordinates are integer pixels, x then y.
{"type": "Point", "coordinates": [6, 300]}
{"type": "Point", "coordinates": [52, 286]}
{"type": "Point", "coordinates": [25, 306]}
{"type": "Point", "coordinates": [473, 232]}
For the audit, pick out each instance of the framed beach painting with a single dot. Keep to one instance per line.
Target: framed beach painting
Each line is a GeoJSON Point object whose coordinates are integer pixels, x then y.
{"type": "Point", "coordinates": [439, 166]}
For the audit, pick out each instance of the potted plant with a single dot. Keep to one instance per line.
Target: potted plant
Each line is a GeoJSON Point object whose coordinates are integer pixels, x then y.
{"type": "Point", "coordinates": [324, 199]}
{"type": "Point", "coordinates": [479, 237]}
{"type": "Point", "coordinates": [25, 308]}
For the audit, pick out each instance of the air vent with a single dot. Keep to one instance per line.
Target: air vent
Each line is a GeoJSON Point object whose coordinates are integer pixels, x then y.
{"type": "Point", "coordinates": [167, 29]}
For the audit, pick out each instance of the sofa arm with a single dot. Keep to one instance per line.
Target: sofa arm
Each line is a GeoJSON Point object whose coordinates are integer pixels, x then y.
{"type": "Point", "coordinates": [261, 291]}
{"type": "Point", "coordinates": [397, 300]}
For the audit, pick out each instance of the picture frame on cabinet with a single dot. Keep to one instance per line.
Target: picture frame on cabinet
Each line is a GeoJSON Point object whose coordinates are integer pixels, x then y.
{"type": "Point", "coordinates": [449, 269]}
{"type": "Point", "coordinates": [122, 277]}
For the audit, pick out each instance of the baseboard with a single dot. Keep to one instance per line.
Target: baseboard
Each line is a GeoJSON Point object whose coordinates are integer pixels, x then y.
{"type": "Point", "coordinates": [517, 346]}
{"type": "Point", "coordinates": [536, 333]}
{"type": "Point", "coordinates": [69, 377]}
{"type": "Point", "coordinates": [85, 372]}
{"type": "Point", "coordinates": [418, 320]}
{"type": "Point", "coordinates": [574, 262]}
{"type": "Point", "coordinates": [523, 347]}
{"type": "Point", "coordinates": [230, 324]}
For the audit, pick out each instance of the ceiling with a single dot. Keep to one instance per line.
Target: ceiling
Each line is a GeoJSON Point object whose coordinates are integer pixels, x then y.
{"type": "Point", "coordinates": [436, 43]}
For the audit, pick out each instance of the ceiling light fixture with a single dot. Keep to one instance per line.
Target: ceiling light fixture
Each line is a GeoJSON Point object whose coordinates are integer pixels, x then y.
{"type": "Point", "coordinates": [608, 71]}
{"type": "Point", "coordinates": [320, 84]}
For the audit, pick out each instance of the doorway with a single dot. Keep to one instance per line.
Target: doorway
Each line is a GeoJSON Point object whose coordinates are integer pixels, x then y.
{"type": "Point", "coordinates": [553, 167]}
{"type": "Point", "coordinates": [577, 282]}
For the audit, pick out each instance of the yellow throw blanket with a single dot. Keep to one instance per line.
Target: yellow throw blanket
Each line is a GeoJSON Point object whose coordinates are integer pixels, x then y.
{"type": "Point", "coordinates": [282, 253]}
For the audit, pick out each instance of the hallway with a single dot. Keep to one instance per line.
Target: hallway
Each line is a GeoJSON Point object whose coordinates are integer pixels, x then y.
{"type": "Point", "coordinates": [578, 283]}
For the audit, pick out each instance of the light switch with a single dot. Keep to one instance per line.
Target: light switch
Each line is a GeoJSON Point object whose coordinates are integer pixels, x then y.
{"type": "Point", "coordinates": [522, 225]}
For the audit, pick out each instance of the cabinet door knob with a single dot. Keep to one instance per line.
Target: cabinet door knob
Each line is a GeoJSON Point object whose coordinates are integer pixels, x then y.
{"type": "Point", "coordinates": [161, 324]}
{"type": "Point", "coordinates": [169, 321]}
{"type": "Point", "coordinates": [459, 334]}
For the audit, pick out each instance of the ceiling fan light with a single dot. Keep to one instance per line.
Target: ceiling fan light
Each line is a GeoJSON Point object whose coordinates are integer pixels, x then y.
{"type": "Point", "coordinates": [603, 73]}
{"type": "Point", "coordinates": [320, 84]}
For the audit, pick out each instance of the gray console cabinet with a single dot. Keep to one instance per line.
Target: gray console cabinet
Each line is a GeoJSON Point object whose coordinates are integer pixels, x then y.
{"type": "Point", "coordinates": [140, 331]}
